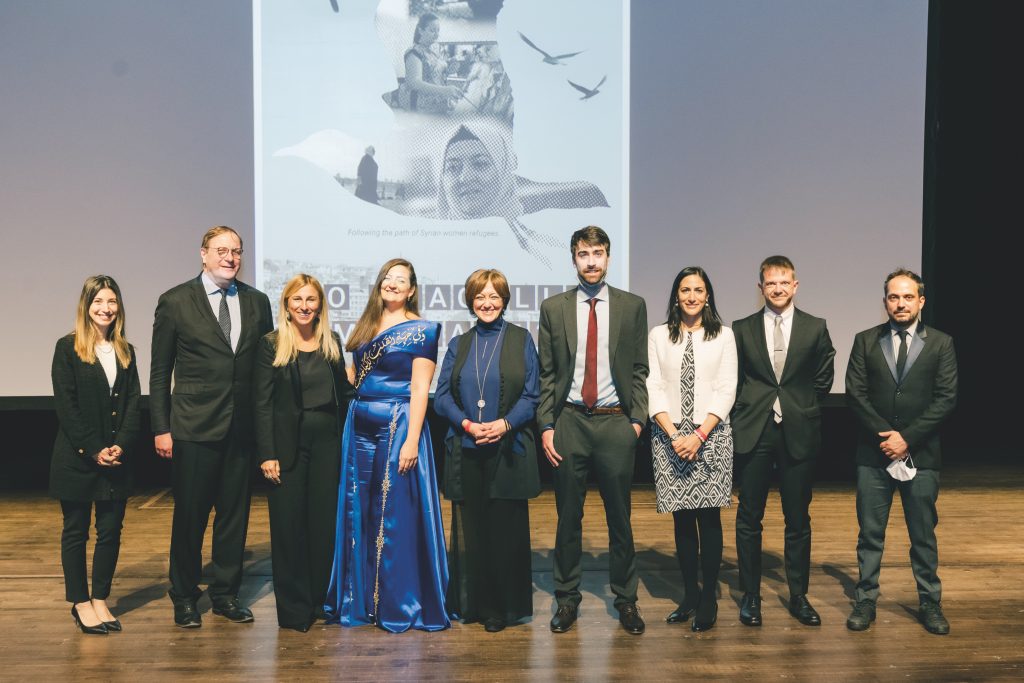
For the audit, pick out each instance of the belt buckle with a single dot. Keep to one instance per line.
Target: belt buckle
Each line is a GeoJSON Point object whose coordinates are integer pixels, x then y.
{"type": "Point", "coordinates": [588, 410]}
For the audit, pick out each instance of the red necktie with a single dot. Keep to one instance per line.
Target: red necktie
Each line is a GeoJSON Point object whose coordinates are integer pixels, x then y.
{"type": "Point", "coordinates": [590, 365]}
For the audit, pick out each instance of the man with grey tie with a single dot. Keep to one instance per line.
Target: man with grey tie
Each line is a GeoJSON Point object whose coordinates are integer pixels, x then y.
{"type": "Point", "coordinates": [205, 333]}
{"type": "Point", "coordinates": [785, 368]}
{"type": "Point", "coordinates": [901, 384]}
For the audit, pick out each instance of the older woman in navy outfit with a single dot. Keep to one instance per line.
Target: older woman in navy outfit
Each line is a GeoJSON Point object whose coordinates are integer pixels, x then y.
{"type": "Point", "coordinates": [488, 391]}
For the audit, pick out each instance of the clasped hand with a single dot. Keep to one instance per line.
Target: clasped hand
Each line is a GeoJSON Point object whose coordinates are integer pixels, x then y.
{"type": "Point", "coordinates": [484, 433]}
{"type": "Point", "coordinates": [687, 447]}
{"type": "Point", "coordinates": [894, 447]}
{"type": "Point", "coordinates": [110, 457]}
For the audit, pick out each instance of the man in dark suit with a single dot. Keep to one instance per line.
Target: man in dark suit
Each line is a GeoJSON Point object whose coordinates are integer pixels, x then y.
{"type": "Point", "coordinates": [593, 404]}
{"type": "Point", "coordinates": [785, 367]}
{"type": "Point", "coordinates": [901, 385]}
{"type": "Point", "coordinates": [206, 332]}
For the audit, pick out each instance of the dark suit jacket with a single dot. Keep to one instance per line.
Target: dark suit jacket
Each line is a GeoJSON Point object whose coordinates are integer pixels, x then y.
{"type": "Point", "coordinates": [627, 352]}
{"type": "Point", "coordinates": [277, 395]}
{"type": "Point", "coordinates": [915, 406]}
{"type": "Point", "coordinates": [806, 378]}
{"type": "Point", "coordinates": [90, 418]}
{"type": "Point", "coordinates": [212, 384]}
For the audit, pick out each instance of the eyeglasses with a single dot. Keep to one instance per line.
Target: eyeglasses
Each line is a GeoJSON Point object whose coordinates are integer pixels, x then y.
{"type": "Point", "coordinates": [395, 280]}
{"type": "Point", "coordinates": [222, 252]}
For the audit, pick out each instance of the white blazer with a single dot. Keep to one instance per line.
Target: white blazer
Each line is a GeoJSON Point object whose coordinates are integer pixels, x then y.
{"type": "Point", "coordinates": [714, 385]}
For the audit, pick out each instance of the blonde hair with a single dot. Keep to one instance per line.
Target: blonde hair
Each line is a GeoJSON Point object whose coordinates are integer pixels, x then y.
{"type": "Point", "coordinates": [369, 321]}
{"type": "Point", "coordinates": [287, 338]}
{"type": "Point", "coordinates": [86, 334]}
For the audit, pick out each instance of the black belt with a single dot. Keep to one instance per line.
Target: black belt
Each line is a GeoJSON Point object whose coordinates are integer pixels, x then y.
{"type": "Point", "coordinates": [596, 410]}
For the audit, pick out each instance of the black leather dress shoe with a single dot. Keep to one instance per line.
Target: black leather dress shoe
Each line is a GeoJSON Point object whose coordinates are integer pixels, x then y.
{"type": "Point", "coordinates": [494, 625]}
{"type": "Point", "coordinates": [232, 611]}
{"type": "Point", "coordinates": [564, 618]}
{"type": "Point", "coordinates": [186, 615]}
{"type": "Point", "coordinates": [800, 608]}
{"type": "Point", "coordinates": [750, 610]}
{"type": "Point", "coordinates": [98, 630]}
{"type": "Point", "coordinates": [629, 617]}
{"type": "Point", "coordinates": [114, 625]}
{"type": "Point", "coordinates": [861, 617]}
{"type": "Point", "coordinates": [706, 616]}
{"type": "Point", "coordinates": [681, 614]}
{"type": "Point", "coordinates": [932, 618]}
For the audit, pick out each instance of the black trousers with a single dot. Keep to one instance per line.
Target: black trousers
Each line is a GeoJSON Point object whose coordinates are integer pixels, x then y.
{"type": "Point", "coordinates": [753, 475]}
{"type": "Point", "coordinates": [489, 566]}
{"type": "Point", "coordinates": [605, 444]}
{"type": "Point", "coordinates": [303, 516]}
{"type": "Point", "coordinates": [205, 476]}
{"type": "Point", "coordinates": [73, 539]}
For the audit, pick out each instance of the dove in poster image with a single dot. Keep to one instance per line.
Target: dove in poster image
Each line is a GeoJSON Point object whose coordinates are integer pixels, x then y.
{"type": "Point", "coordinates": [549, 59]}
{"type": "Point", "coordinates": [588, 92]}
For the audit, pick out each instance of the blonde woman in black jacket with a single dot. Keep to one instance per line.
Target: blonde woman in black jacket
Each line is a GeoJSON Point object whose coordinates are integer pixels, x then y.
{"type": "Point", "coordinates": [301, 392]}
{"type": "Point", "coordinates": [96, 395]}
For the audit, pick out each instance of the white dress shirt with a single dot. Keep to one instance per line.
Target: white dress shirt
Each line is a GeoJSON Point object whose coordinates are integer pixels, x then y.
{"type": "Point", "coordinates": [894, 335]}
{"type": "Point", "coordinates": [769, 328]}
{"type": "Point", "coordinates": [234, 308]}
{"type": "Point", "coordinates": [714, 381]}
{"type": "Point", "coordinates": [606, 396]}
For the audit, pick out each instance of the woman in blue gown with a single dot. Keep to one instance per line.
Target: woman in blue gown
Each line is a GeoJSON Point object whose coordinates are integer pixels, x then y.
{"type": "Point", "coordinates": [389, 561]}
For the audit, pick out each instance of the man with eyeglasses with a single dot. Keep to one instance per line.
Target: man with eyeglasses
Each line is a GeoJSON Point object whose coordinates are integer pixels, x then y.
{"type": "Point", "coordinates": [205, 333]}
{"type": "Point", "coordinates": [785, 369]}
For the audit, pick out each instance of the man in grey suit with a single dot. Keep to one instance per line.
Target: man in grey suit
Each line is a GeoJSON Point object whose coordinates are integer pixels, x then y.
{"type": "Point", "coordinates": [901, 384]}
{"type": "Point", "coordinates": [206, 333]}
{"type": "Point", "coordinates": [593, 404]}
{"type": "Point", "coordinates": [785, 369]}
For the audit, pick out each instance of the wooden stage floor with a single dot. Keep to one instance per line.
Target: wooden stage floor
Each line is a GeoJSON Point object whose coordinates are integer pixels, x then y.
{"type": "Point", "coordinates": [982, 566]}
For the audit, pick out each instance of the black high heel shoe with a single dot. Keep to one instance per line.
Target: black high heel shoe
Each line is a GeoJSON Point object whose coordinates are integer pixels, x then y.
{"type": "Point", "coordinates": [100, 630]}
{"type": "Point", "coordinates": [681, 614]}
{"type": "Point", "coordinates": [706, 616]}
{"type": "Point", "coordinates": [114, 625]}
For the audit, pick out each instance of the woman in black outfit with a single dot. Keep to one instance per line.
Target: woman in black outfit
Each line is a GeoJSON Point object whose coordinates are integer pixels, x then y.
{"type": "Point", "coordinates": [301, 394]}
{"type": "Point", "coordinates": [488, 391]}
{"type": "Point", "coordinates": [96, 394]}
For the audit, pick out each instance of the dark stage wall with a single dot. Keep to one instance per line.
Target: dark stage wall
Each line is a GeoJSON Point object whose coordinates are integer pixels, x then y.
{"type": "Point", "coordinates": [972, 181]}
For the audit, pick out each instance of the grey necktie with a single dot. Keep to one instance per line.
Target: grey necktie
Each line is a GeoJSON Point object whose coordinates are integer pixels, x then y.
{"type": "Point", "coordinates": [901, 357]}
{"type": "Point", "coordinates": [778, 361]}
{"type": "Point", "coordinates": [223, 316]}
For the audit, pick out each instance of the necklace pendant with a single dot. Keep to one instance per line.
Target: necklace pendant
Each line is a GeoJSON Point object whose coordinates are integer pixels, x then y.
{"type": "Point", "coordinates": [481, 403]}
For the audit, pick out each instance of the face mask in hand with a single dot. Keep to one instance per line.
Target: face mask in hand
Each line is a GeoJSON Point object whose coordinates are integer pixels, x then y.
{"type": "Point", "coordinates": [902, 469]}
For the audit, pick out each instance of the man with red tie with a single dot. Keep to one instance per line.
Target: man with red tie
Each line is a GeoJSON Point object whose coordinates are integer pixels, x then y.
{"type": "Point", "coordinates": [593, 404]}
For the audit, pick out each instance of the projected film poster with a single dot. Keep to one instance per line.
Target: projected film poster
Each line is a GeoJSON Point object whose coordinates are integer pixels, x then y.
{"type": "Point", "coordinates": [456, 134]}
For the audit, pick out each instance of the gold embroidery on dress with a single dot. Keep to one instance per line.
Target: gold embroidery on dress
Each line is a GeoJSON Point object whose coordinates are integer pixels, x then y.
{"type": "Point", "coordinates": [385, 486]}
{"type": "Point", "coordinates": [368, 361]}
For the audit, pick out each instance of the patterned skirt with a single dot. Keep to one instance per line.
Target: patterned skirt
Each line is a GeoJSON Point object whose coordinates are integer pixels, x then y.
{"type": "Point", "coordinates": [704, 483]}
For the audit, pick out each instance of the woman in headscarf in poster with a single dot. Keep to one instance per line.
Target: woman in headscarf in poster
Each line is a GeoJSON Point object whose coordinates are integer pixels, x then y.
{"type": "Point", "coordinates": [479, 180]}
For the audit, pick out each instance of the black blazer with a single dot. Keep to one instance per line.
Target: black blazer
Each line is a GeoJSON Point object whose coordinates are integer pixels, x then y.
{"type": "Point", "coordinates": [90, 418]}
{"type": "Point", "coordinates": [915, 407]}
{"type": "Point", "coordinates": [806, 378]}
{"type": "Point", "coordinates": [277, 395]}
{"type": "Point", "coordinates": [627, 351]}
{"type": "Point", "coordinates": [212, 383]}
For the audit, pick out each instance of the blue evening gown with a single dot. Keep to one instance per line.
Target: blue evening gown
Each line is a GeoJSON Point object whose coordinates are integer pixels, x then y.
{"type": "Point", "coordinates": [389, 560]}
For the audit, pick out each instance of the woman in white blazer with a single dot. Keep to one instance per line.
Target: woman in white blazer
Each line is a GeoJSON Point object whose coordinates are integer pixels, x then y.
{"type": "Point", "coordinates": [692, 386]}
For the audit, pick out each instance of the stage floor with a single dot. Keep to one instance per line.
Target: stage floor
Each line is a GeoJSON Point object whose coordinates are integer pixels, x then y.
{"type": "Point", "coordinates": [981, 566]}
